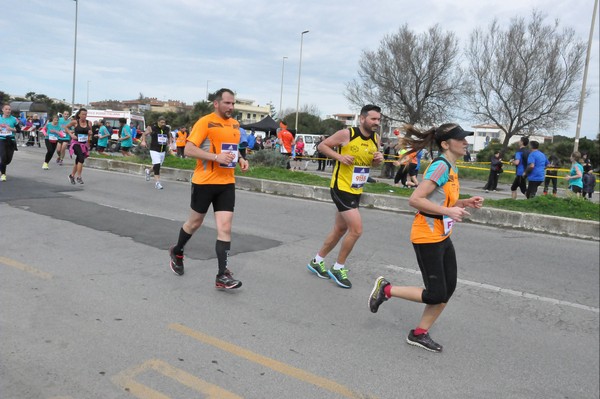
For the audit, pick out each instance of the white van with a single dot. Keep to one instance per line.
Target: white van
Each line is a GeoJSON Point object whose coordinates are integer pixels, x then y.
{"type": "Point", "coordinates": [133, 119]}
{"type": "Point", "coordinates": [310, 143]}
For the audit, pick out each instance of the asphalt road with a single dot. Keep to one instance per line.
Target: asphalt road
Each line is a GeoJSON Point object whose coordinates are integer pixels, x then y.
{"type": "Point", "coordinates": [90, 308]}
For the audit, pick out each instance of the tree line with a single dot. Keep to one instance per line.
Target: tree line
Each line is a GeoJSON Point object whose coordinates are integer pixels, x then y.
{"type": "Point", "coordinates": [309, 120]}
{"type": "Point", "coordinates": [525, 78]}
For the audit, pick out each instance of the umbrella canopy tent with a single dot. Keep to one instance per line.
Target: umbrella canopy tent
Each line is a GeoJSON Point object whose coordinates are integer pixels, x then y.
{"type": "Point", "coordinates": [23, 109]}
{"type": "Point", "coordinates": [28, 106]}
{"type": "Point", "coordinates": [267, 125]}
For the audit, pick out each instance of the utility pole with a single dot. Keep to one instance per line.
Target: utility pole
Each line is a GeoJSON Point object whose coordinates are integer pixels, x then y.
{"type": "Point", "coordinates": [585, 72]}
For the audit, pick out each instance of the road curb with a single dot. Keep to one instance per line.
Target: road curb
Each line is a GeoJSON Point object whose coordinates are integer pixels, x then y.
{"type": "Point", "coordinates": [554, 225]}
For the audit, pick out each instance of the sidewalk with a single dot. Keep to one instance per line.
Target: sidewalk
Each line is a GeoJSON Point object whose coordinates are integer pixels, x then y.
{"type": "Point", "coordinates": [488, 216]}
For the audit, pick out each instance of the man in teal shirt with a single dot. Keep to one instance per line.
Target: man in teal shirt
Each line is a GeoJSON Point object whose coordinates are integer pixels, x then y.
{"type": "Point", "coordinates": [125, 137]}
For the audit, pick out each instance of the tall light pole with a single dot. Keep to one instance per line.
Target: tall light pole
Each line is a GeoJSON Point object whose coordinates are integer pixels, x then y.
{"type": "Point", "coordinates": [74, 56]}
{"type": "Point", "coordinates": [281, 93]}
{"type": "Point", "coordinates": [299, 72]}
{"type": "Point", "coordinates": [207, 89]}
{"type": "Point", "coordinates": [585, 72]}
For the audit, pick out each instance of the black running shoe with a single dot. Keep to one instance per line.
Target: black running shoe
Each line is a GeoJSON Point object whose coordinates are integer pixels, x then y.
{"type": "Point", "coordinates": [423, 341]}
{"type": "Point", "coordinates": [71, 179]}
{"type": "Point", "coordinates": [79, 180]}
{"type": "Point", "coordinates": [227, 282]}
{"type": "Point", "coordinates": [176, 262]}
{"type": "Point", "coordinates": [377, 295]}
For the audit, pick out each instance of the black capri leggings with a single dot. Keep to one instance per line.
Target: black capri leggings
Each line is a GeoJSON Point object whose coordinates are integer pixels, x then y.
{"type": "Point", "coordinates": [7, 149]}
{"type": "Point", "coordinates": [437, 262]}
{"type": "Point", "coordinates": [80, 157]}
{"type": "Point", "coordinates": [50, 149]}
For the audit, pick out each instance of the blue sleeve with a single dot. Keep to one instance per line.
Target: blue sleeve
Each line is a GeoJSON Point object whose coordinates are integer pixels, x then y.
{"type": "Point", "coordinates": [438, 173]}
{"type": "Point", "coordinates": [518, 156]}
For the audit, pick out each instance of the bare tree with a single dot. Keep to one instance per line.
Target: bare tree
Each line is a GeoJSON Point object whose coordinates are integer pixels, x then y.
{"type": "Point", "coordinates": [311, 109]}
{"type": "Point", "coordinates": [524, 79]}
{"type": "Point", "coordinates": [414, 78]}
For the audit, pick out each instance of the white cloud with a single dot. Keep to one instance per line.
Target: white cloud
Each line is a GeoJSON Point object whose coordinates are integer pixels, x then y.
{"type": "Point", "coordinates": [170, 50]}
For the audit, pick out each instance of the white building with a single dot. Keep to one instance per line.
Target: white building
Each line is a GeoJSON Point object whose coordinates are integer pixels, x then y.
{"type": "Point", "coordinates": [483, 135]}
{"type": "Point", "coordinates": [348, 119]}
{"type": "Point", "coordinates": [248, 112]}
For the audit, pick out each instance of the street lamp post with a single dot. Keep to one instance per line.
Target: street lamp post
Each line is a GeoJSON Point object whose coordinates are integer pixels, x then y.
{"type": "Point", "coordinates": [74, 56]}
{"type": "Point", "coordinates": [207, 89]}
{"type": "Point", "coordinates": [299, 72]}
{"type": "Point", "coordinates": [585, 72]}
{"type": "Point", "coordinates": [281, 93]}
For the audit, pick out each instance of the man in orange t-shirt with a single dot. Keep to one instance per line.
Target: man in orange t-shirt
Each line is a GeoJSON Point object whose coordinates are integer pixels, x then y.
{"type": "Point", "coordinates": [213, 142]}
{"type": "Point", "coordinates": [286, 141]}
{"type": "Point", "coordinates": [180, 141]}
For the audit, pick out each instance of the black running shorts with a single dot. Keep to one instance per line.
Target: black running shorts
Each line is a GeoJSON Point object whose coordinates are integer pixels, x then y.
{"type": "Point", "coordinates": [343, 200]}
{"type": "Point", "coordinates": [221, 196]}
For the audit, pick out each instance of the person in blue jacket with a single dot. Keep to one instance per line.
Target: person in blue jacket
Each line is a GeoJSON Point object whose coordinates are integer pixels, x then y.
{"type": "Point", "coordinates": [520, 161]}
{"type": "Point", "coordinates": [536, 169]}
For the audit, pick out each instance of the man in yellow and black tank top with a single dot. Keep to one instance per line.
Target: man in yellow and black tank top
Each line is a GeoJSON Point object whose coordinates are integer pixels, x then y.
{"type": "Point", "coordinates": [355, 151]}
{"type": "Point", "coordinates": [352, 177]}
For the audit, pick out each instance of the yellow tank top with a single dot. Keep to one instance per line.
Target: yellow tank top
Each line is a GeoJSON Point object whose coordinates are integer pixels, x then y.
{"type": "Point", "coordinates": [352, 178]}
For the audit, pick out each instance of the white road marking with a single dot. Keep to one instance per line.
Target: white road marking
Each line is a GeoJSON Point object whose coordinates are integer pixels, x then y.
{"type": "Point", "coordinates": [507, 291]}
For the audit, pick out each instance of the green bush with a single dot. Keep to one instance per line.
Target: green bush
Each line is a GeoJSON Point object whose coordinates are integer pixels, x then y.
{"type": "Point", "coordinates": [486, 154]}
{"type": "Point", "coordinates": [268, 158]}
{"type": "Point", "coordinates": [142, 153]}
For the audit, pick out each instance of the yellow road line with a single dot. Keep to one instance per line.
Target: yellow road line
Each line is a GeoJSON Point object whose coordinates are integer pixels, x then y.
{"type": "Point", "coordinates": [126, 379]}
{"type": "Point", "coordinates": [273, 364]}
{"type": "Point", "coordinates": [25, 268]}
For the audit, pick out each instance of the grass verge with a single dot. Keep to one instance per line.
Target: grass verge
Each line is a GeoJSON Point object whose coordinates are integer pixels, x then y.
{"type": "Point", "coordinates": [570, 207]}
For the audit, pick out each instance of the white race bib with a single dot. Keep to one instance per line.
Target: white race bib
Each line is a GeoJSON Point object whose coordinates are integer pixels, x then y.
{"type": "Point", "coordinates": [162, 139]}
{"type": "Point", "coordinates": [82, 138]}
{"type": "Point", "coordinates": [360, 176]}
{"type": "Point", "coordinates": [233, 148]}
{"type": "Point", "coordinates": [448, 224]}
{"type": "Point", "coordinates": [5, 131]}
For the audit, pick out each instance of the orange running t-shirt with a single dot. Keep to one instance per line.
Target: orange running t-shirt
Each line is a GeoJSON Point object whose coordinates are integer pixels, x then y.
{"type": "Point", "coordinates": [181, 138]}
{"type": "Point", "coordinates": [428, 229]}
{"type": "Point", "coordinates": [287, 140]}
{"type": "Point", "coordinates": [214, 134]}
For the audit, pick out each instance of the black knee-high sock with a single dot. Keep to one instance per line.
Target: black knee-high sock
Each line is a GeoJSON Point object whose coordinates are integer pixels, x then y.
{"type": "Point", "coordinates": [183, 239]}
{"type": "Point", "coordinates": [222, 248]}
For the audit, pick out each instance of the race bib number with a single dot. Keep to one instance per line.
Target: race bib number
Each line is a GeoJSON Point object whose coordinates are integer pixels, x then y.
{"type": "Point", "coordinates": [4, 131]}
{"type": "Point", "coordinates": [448, 224]}
{"type": "Point", "coordinates": [233, 148]}
{"type": "Point", "coordinates": [82, 138]}
{"type": "Point", "coordinates": [162, 139]}
{"type": "Point", "coordinates": [360, 176]}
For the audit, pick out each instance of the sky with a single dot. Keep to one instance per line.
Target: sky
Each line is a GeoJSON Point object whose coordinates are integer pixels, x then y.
{"type": "Point", "coordinates": [180, 49]}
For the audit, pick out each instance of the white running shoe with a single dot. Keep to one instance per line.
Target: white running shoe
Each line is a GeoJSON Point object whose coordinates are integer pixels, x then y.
{"type": "Point", "coordinates": [147, 171]}
{"type": "Point", "coordinates": [158, 186]}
